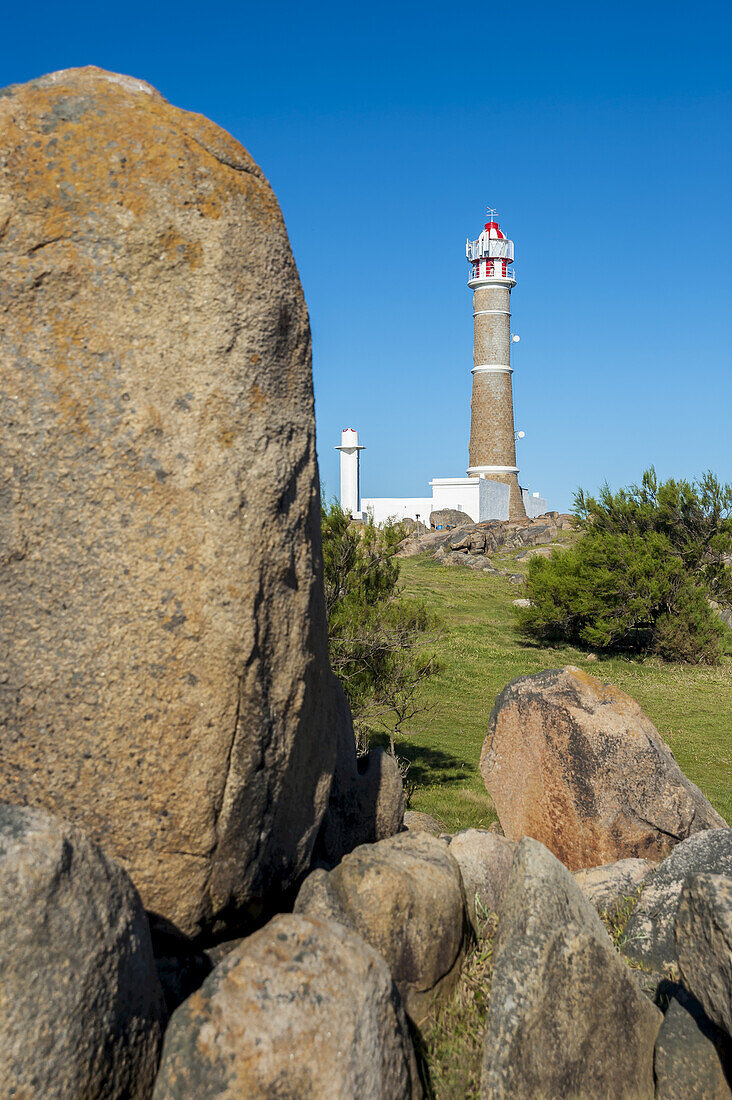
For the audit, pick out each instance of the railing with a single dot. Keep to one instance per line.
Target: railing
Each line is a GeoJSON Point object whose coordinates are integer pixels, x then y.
{"type": "Point", "coordinates": [497, 273]}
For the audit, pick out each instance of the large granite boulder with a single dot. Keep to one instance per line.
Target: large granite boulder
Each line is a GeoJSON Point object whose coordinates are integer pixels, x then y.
{"type": "Point", "coordinates": [650, 934]}
{"type": "Point", "coordinates": [162, 630]}
{"type": "Point", "coordinates": [704, 944]}
{"type": "Point", "coordinates": [565, 1017]}
{"type": "Point", "coordinates": [576, 764]}
{"type": "Point", "coordinates": [303, 1009]}
{"type": "Point", "coordinates": [484, 859]}
{"type": "Point", "coordinates": [81, 1008]}
{"type": "Point", "coordinates": [405, 897]}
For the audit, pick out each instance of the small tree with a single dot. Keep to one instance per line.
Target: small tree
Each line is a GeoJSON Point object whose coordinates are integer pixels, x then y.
{"type": "Point", "coordinates": [642, 574]}
{"type": "Point", "coordinates": [377, 637]}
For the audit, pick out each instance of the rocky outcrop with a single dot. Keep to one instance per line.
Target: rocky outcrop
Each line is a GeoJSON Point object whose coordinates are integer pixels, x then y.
{"type": "Point", "coordinates": [565, 1017]}
{"type": "Point", "coordinates": [688, 1059]}
{"type": "Point", "coordinates": [650, 932]}
{"type": "Point", "coordinates": [303, 1008]}
{"type": "Point", "coordinates": [614, 888]}
{"type": "Point", "coordinates": [476, 539]}
{"type": "Point", "coordinates": [165, 676]}
{"type": "Point", "coordinates": [485, 861]}
{"type": "Point", "coordinates": [704, 944]}
{"type": "Point", "coordinates": [405, 897]}
{"type": "Point", "coordinates": [81, 1010]}
{"type": "Point", "coordinates": [576, 764]}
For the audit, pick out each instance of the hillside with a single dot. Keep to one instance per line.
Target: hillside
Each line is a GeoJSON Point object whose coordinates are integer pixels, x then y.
{"type": "Point", "coordinates": [481, 650]}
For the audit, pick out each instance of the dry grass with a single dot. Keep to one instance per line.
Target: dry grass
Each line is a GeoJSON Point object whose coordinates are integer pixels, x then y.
{"type": "Point", "coordinates": [450, 1040]}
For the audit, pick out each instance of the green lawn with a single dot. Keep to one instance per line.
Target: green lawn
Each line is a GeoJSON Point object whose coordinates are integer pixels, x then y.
{"type": "Point", "coordinates": [481, 650]}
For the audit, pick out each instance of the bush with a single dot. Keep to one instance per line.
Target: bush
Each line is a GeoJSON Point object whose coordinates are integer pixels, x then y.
{"type": "Point", "coordinates": [641, 576]}
{"type": "Point", "coordinates": [377, 638]}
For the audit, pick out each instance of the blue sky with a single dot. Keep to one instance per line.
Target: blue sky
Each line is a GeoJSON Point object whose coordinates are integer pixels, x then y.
{"type": "Point", "coordinates": [600, 132]}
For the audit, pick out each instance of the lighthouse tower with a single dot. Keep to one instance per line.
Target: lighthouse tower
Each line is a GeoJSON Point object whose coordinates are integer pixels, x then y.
{"type": "Point", "coordinates": [350, 474]}
{"type": "Point", "coordinates": [492, 436]}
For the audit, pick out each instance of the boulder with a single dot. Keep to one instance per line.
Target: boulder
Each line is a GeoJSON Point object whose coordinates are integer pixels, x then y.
{"type": "Point", "coordinates": [614, 887]}
{"type": "Point", "coordinates": [449, 517]}
{"type": "Point", "coordinates": [689, 1051]}
{"type": "Point", "coordinates": [366, 800]}
{"type": "Point", "coordinates": [405, 897]}
{"type": "Point", "coordinates": [650, 932]}
{"type": "Point", "coordinates": [303, 1008]}
{"type": "Point", "coordinates": [162, 626]}
{"type": "Point", "coordinates": [704, 944]}
{"type": "Point", "coordinates": [417, 822]}
{"type": "Point", "coordinates": [82, 1012]}
{"type": "Point", "coordinates": [576, 764]}
{"type": "Point", "coordinates": [565, 1018]}
{"type": "Point", "coordinates": [484, 859]}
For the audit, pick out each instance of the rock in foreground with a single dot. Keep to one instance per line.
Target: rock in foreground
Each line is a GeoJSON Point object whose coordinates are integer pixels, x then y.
{"type": "Point", "coordinates": [614, 888]}
{"type": "Point", "coordinates": [576, 764]}
{"type": "Point", "coordinates": [565, 1018]}
{"type": "Point", "coordinates": [704, 944]}
{"type": "Point", "coordinates": [485, 862]}
{"type": "Point", "coordinates": [687, 1061]}
{"type": "Point", "coordinates": [405, 897]}
{"type": "Point", "coordinates": [82, 1010]}
{"type": "Point", "coordinates": [162, 627]}
{"type": "Point", "coordinates": [650, 932]}
{"type": "Point", "coordinates": [303, 1008]}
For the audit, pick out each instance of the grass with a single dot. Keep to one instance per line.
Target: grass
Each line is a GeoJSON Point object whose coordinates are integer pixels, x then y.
{"type": "Point", "coordinates": [450, 1041]}
{"type": "Point", "coordinates": [481, 650]}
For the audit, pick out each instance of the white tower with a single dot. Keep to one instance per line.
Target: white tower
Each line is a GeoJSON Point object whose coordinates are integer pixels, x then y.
{"type": "Point", "coordinates": [350, 482]}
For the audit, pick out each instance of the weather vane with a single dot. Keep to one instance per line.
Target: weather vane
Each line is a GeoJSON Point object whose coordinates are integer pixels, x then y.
{"type": "Point", "coordinates": [492, 210]}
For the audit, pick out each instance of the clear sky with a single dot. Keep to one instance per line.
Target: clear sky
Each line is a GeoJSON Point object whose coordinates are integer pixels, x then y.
{"type": "Point", "coordinates": [600, 132]}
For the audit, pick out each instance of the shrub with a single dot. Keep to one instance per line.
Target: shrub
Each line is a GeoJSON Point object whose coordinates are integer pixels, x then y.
{"type": "Point", "coordinates": [641, 575]}
{"type": "Point", "coordinates": [376, 636]}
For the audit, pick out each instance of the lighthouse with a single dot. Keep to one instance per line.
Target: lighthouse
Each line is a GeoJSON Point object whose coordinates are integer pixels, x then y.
{"type": "Point", "coordinates": [492, 448]}
{"type": "Point", "coordinates": [350, 479]}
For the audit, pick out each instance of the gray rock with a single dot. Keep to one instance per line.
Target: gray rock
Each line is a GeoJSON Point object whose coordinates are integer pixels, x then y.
{"type": "Point", "coordinates": [704, 944]}
{"type": "Point", "coordinates": [405, 897]}
{"type": "Point", "coordinates": [81, 1012]}
{"type": "Point", "coordinates": [366, 800]}
{"type": "Point", "coordinates": [649, 933]}
{"type": "Point", "coordinates": [554, 1028]}
{"type": "Point", "coordinates": [614, 886]}
{"type": "Point", "coordinates": [162, 622]}
{"type": "Point", "coordinates": [687, 1059]}
{"type": "Point", "coordinates": [575, 763]}
{"type": "Point", "coordinates": [302, 1009]}
{"type": "Point", "coordinates": [449, 517]}
{"type": "Point", "coordinates": [417, 822]}
{"type": "Point", "coordinates": [485, 861]}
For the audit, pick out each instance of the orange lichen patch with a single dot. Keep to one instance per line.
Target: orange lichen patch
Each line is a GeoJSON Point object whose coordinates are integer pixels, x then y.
{"type": "Point", "coordinates": [176, 247]}
{"type": "Point", "coordinates": [606, 692]}
{"type": "Point", "coordinates": [256, 397]}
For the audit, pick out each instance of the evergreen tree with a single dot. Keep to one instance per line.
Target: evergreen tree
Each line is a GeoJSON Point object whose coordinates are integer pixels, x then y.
{"type": "Point", "coordinates": [642, 574]}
